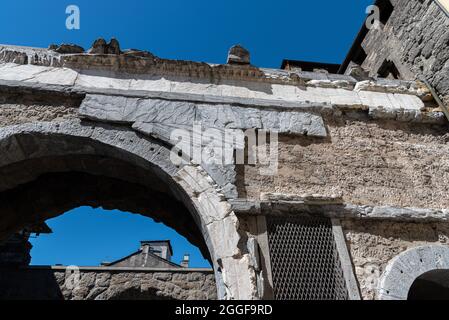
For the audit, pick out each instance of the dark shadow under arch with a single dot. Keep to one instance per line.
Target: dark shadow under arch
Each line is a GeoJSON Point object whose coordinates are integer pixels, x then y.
{"type": "Point", "coordinates": [432, 285]}
{"type": "Point", "coordinates": [87, 173]}
{"type": "Point", "coordinates": [53, 194]}
{"type": "Point", "coordinates": [74, 149]}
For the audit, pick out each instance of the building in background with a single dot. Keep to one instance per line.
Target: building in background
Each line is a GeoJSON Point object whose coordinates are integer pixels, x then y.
{"type": "Point", "coordinates": [152, 254]}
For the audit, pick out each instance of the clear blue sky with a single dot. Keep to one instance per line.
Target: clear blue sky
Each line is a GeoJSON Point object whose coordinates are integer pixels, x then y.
{"type": "Point", "coordinates": [87, 237]}
{"type": "Point", "coordinates": [200, 30]}
{"type": "Point", "coordinates": [197, 30]}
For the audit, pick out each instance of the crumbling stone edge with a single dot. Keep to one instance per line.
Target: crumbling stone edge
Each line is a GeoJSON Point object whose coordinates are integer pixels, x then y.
{"type": "Point", "coordinates": [334, 207]}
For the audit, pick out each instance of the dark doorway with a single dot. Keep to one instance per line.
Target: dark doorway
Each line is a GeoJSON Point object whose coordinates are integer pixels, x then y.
{"type": "Point", "coordinates": [388, 70]}
{"type": "Point", "coordinates": [433, 285]}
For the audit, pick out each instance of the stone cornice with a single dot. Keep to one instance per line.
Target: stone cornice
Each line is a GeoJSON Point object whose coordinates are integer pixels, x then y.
{"type": "Point", "coordinates": [134, 63]}
{"type": "Point", "coordinates": [334, 207]}
{"type": "Point", "coordinates": [149, 65]}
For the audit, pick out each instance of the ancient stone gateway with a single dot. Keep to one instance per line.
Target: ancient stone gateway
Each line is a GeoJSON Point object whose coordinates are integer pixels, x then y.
{"type": "Point", "coordinates": [328, 178]}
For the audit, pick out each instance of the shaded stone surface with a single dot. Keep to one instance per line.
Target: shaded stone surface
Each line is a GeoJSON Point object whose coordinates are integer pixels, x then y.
{"type": "Point", "coordinates": [67, 48]}
{"type": "Point", "coordinates": [15, 251]}
{"type": "Point", "coordinates": [59, 283]}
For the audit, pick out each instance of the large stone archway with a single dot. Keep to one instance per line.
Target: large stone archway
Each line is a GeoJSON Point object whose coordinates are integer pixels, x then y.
{"type": "Point", "coordinates": [41, 158]}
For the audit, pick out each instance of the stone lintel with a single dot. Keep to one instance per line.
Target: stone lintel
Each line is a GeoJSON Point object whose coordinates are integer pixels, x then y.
{"type": "Point", "coordinates": [331, 209]}
{"type": "Point", "coordinates": [318, 108]}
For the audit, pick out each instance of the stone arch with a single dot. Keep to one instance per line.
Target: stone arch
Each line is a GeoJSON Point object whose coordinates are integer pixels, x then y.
{"type": "Point", "coordinates": [402, 271]}
{"type": "Point", "coordinates": [35, 145]}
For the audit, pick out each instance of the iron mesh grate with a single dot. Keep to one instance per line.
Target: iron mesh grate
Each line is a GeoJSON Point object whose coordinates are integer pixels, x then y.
{"type": "Point", "coordinates": [304, 259]}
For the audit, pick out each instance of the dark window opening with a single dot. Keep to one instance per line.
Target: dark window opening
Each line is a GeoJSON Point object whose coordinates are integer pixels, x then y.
{"type": "Point", "coordinates": [388, 70]}
{"type": "Point", "coordinates": [360, 56]}
{"type": "Point", "coordinates": [309, 66]}
{"type": "Point", "coordinates": [386, 9]}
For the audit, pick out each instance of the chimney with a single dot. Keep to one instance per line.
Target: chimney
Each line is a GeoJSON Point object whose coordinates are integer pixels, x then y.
{"type": "Point", "coordinates": [185, 261]}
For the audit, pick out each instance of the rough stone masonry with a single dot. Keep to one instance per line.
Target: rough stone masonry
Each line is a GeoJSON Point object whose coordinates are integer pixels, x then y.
{"type": "Point", "coordinates": [102, 283]}
{"type": "Point", "coordinates": [366, 152]}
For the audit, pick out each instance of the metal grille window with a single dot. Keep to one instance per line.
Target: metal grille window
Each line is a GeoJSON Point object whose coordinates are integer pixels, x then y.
{"type": "Point", "coordinates": [304, 259]}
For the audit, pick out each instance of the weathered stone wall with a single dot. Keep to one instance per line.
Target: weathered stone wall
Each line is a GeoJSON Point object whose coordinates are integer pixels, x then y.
{"type": "Point", "coordinates": [416, 39]}
{"type": "Point", "coordinates": [373, 244]}
{"type": "Point", "coordinates": [366, 162]}
{"type": "Point", "coordinates": [32, 107]}
{"type": "Point", "coordinates": [107, 284]}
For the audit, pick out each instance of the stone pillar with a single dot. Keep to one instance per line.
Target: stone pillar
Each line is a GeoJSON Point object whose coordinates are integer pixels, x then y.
{"type": "Point", "coordinates": [15, 252]}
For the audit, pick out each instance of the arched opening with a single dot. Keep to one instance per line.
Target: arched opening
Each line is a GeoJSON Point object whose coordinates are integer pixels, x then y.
{"type": "Point", "coordinates": [47, 169]}
{"type": "Point", "coordinates": [432, 285]}
{"type": "Point", "coordinates": [96, 237]}
{"type": "Point", "coordinates": [90, 253]}
{"type": "Point", "coordinates": [54, 193]}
